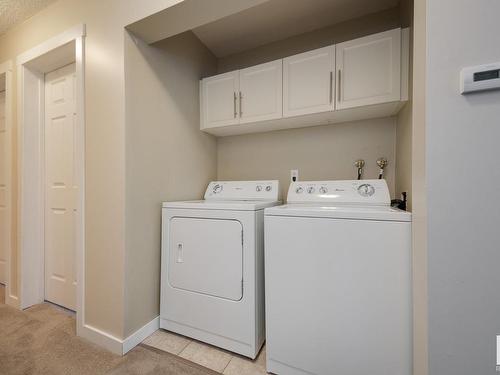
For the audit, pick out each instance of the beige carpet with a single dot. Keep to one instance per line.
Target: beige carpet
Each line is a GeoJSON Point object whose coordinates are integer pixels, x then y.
{"type": "Point", "coordinates": [42, 340]}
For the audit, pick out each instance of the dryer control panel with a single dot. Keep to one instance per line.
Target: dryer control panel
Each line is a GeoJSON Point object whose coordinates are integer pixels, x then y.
{"type": "Point", "coordinates": [243, 190]}
{"type": "Point", "coordinates": [366, 192]}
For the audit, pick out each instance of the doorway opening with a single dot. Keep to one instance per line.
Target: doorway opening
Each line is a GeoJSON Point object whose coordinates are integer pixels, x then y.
{"type": "Point", "coordinates": [52, 172]}
{"type": "Point", "coordinates": [61, 186]}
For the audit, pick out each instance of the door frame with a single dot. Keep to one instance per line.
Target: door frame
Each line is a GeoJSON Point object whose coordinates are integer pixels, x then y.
{"type": "Point", "coordinates": [31, 220]}
{"type": "Point", "coordinates": [6, 68]}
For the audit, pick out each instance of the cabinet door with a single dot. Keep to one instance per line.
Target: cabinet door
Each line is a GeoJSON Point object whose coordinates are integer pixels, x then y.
{"type": "Point", "coordinates": [219, 100]}
{"type": "Point", "coordinates": [261, 92]}
{"type": "Point", "coordinates": [308, 80]}
{"type": "Point", "coordinates": [369, 70]}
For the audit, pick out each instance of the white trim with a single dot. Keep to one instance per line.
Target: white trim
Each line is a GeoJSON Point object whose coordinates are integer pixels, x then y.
{"type": "Point", "coordinates": [30, 219]}
{"type": "Point", "coordinates": [113, 343]}
{"type": "Point", "coordinates": [30, 166]}
{"type": "Point", "coordinates": [68, 36]}
{"type": "Point", "coordinates": [140, 335]}
{"type": "Point", "coordinates": [80, 166]}
{"type": "Point", "coordinates": [101, 338]}
{"type": "Point", "coordinates": [498, 350]}
{"type": "Point", "coordinates": [6, 68]}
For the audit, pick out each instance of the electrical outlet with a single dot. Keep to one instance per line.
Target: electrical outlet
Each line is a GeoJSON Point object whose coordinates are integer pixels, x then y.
{"type": "Point", "coordinates": [294, 175]}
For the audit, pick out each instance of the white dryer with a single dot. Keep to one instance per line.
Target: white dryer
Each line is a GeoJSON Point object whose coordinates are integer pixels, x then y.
{"type": "Point", "coordinates": [212, 265]}
{"type": "Point", "coordinates": [338, 281]}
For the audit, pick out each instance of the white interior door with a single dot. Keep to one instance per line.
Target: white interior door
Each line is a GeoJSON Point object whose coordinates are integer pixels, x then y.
{"type": "Point", "coordinates": [369, 70]}
{"type": "Point", "coordinates": [308, 82]}
{"type": "Point", "coordinates": [261, 92]}
{"type": "Point", "coordinates": [206, 256]}
{"type": "Point", "coordinates": [60, 187]}
{"type": "Point", "coordinates": [219, 96]}
{"type": "Point", "coordinates": [4, 230]}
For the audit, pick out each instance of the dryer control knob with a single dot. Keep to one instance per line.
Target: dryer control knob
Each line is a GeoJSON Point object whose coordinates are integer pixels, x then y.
{"type": "Point", "coordinates": [269, 188]}
{"type": "Point", "coordinates": [310, 189]}
{"type": "Point", "coordinates": [258, 188]}
{"type": "Point", "coordinates": [323, 190]}
{"type": "Point", "coordinates": [299, 190]}
{"type": "Point", "coordinates": [217, 189]}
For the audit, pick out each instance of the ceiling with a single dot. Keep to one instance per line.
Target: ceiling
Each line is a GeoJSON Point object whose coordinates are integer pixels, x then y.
{"type": "Point", "coordinates": [279, 19]}
{"type": "Point", "coordinates": [13, 12]}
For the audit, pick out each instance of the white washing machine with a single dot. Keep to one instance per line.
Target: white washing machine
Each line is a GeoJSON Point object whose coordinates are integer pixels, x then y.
{"type": "Point", "coordinates": [212, 265]}
{"type": "Point", "coordinates": [338, 281]}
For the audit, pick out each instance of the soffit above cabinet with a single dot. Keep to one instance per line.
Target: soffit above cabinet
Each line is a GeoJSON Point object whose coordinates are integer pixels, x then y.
{"type": "Point", "coordinates": [280, 19]}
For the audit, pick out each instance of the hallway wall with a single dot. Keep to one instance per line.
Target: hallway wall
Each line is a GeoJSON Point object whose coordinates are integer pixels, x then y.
{"type": "Point", "coordinates": [105, 141]}
{"type": "Point", "coordinates": [463, 183]}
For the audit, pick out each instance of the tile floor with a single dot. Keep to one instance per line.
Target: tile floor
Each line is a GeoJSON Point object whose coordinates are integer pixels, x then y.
{"type": "Point", "coordinates": [216, 359]}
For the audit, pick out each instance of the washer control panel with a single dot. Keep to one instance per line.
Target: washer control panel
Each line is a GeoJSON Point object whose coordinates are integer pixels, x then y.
{"type": "Point", "coordinates": [243, 190]}
{"type": "Point", "coordinates": [372, 192]}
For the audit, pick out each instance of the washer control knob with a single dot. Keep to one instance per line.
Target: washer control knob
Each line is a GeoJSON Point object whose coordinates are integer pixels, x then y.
{"type": "Point", "coordinates": [258, 188]}
{"type": "Point", "coordinates": [310, 189]}
{"type": "Point", "coordinates": [269, 188]}
{"type": "Point", "coordinates": [366, 190]}
{"type": "Point", "coordinates": [323, 190]}
{"type": "Point", "coordinates": [299, 190]}
{"type": "Point", "coordinates": [217, 189]}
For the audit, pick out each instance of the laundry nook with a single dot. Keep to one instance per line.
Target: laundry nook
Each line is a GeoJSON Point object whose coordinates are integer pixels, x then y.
{"type": "Point", "coordinates": [249, 187]}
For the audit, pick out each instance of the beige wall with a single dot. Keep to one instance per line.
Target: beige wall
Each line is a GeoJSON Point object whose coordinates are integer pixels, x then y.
{"type": "Point", "coordinates": [326, 152]}
{"type": "Point", "coordinates": [167, 157]}
{"type": "Point", "coordinates": [366, 25]}
{"type": "Point", "coordinates": [105, 140]}
{"type": "Point", "coordinates": [403, 181]}
{"type": "Point", "coordinates": [320, 153]}
{"type": "Point", "coordinates": [404, 119]}
{"type": "Point", "coordinates": [420, 292]}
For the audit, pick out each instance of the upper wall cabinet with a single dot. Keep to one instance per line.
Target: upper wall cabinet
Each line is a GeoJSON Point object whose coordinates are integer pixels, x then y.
{"type": "Point", "coordinates": [261, 91]}
{"type": "Point", "coordinates": [243, 96]}
{"type": "Point", "coordinates": [355, 80]}
{"type": "Point", "coordinates": [308, 82]}
{"type": "Point", "coordinates": [369, 70]}
{"type": "Point", "coordinates": [219, 100]}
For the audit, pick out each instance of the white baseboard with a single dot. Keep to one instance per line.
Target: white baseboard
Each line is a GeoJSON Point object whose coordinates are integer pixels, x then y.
{"type": "Point", "coordinates": [114, 344]}
{"type": "Point", "coordinates": [101, 338]}
{"type": "Point", "coordinates": [12, 300]}
{"type": "Point", "coordinates": [136, 338]}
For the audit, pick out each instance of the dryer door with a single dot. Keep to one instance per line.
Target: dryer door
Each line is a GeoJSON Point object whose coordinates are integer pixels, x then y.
{"type": "Point", "coordinates": [206, 256]}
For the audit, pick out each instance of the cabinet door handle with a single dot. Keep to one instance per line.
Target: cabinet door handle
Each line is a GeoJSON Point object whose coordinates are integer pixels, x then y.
{"type": "Point", "coordinates": [340, 85]}
{"type": "Point", "coordinates": [241, 104]}
{"type": "Point", "coordinates": [331, 87]}
{"type": "Point", "coordinates": [234, 102]}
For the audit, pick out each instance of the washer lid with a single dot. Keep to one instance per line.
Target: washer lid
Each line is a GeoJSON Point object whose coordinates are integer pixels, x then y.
{"type": "Point", "coordinates": [221, 205]}
{"type": "Point", "coordinates": [353, 212]}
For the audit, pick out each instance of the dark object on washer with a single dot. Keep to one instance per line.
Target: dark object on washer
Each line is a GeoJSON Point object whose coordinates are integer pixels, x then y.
{"type": "Point", "coordinates": [400, 203]}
